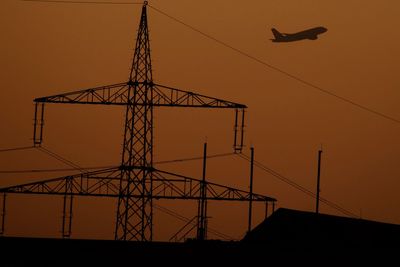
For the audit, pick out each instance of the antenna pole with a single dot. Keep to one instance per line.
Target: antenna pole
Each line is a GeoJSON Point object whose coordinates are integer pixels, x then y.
{"type": "Point", "coordinates": [251, 187]}
{"type": "Point", "coordinates": [318, 180]}
{"type": "Point", "coordinates": [201, 227]}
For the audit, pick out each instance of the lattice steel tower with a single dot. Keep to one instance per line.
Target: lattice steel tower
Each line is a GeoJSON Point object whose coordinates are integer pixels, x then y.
{"type": "Point", "coordinates": [134, 215]}
{"type": "Point", "coordinates": [135, 182]}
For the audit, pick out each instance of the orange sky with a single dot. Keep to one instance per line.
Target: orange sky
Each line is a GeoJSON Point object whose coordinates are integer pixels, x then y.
{"type": "Point", "coordinates": [52, 48]}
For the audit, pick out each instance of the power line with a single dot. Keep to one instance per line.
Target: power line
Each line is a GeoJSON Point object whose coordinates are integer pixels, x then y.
{"type": "Point", "coordinates": [61, 159]}
{"type": "Point", "coordinates": [298, 186]}
{"type": "Point", "coordinates": [54, 170]}
{"type": "Point", "coordinates": [44, 150]}
{"type": "Point", "coordinates": [195, 158]}
{"type": "Point", "coordinates": [16, 148]}
{"type": "Point", "coordinates": [268, 65]}
{"type": "Point", "coordinates": [84, 2]}
{"type": "Point", "coordinates": [105, 167]}
{"type": "Point", "coordinates": [277, 175]}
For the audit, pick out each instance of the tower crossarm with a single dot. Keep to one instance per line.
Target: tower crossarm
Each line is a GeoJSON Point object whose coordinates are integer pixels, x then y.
{"type": "Point", "coordinates": [105, 183]}
{"type": "Point", "coordinates": [96, 183]}
{"type": "Point", "coordinates": [117, 94]}
{"type": "Point", "coordinates": [171, 185]}
{"type": "Point", "coordinates": [172, 97]}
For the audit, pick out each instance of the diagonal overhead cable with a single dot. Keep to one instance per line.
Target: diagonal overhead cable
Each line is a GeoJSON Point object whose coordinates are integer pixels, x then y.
{"type": "Point", "coordinates": [268, 65]}
{"type": "Point", "coordinates": [76, 167]}
{"type": "Point", "coordinates": [16, 148]}
{"type": "Point", "coordinates": [298, 186]}
{"type": "Point", "coordinates": [84, 2]}
{"type": "Point", "coordinates": [61, 159]}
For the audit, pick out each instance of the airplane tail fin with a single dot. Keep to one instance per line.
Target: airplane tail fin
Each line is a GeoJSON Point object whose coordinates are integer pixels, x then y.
{"type": "Point", "coordinates": [277, 34]}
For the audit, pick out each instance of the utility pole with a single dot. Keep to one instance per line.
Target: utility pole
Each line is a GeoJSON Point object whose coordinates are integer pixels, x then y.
{"type": "Point", "coordinates": [3, 214]}
{"type": "Point", "coordinates": [202, 216]}
{"type": "Point", "coordinates": [318, 181]}
{"type": "Point", "coordinates": [251, 187]}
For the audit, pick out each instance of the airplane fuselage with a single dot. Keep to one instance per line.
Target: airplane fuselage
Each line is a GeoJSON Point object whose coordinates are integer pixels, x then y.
{"type": "Point", "coordinates": [310, 34]}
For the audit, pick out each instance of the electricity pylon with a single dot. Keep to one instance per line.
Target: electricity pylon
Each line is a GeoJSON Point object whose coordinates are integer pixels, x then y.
{"type": "Point", "coordinates": [135, 182]}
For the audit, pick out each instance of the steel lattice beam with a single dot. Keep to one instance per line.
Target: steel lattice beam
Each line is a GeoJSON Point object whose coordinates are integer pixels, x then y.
{"type": "Point", "coordinates": [105, 183]}
{"type": "Point", "coordinates": [117, 94]}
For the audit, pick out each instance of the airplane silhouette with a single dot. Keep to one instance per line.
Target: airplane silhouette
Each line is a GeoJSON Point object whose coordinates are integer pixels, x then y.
{"type": "Point", "coordinates": [310, 34]}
